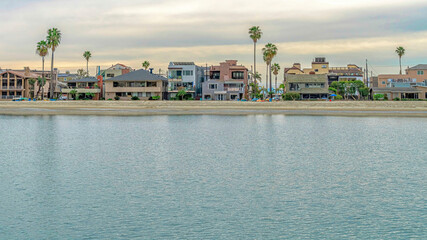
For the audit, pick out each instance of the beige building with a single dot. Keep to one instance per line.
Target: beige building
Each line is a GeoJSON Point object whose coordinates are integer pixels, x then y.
{"type": "Point", "coordinates": [15, 84]}
{"type": "Point", "coordinates": [140, 83]}
{"type": "Point", "coordinates": [416, 74]}
{"type": "Point", "coordinates": [415, 92]}
{"type": "Point", "coordinates": [115, 70]}
{"type": "Point", "coordinates": [309, 86]}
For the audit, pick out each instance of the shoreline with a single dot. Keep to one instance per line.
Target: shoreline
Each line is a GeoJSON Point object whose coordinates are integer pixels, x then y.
{"type": "Point", "coordinates": [151, 108]}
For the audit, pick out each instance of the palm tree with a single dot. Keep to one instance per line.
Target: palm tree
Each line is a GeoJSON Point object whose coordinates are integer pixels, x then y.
{"type": "Point", "coordinates": [53, 41]}
{"type": "Point", "coordinates": [255, 34]}
{"type": "Point", "coordinates": [87, 55]}
{"type": "Point", "coordinates": [269, 52]}
{"type": "Point", "coordinates": [41, 81]}
{"type": "Point", "coordinates": [255, 76]}
{"type": "Point", "coordinates": [42, 50]}
{"type": "Point", "coordinates": [275, 68]}
{"type": "Point", "coordinates": [31, 82]}
{"type": "Point", "coordinates": [146, 64]}
{"type": "Point", "coordinates": [400, 52]}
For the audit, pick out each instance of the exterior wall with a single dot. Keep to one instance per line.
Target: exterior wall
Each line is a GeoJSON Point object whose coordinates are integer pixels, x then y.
{"type": "Point", "coordinates": [111, 91]}
{"type": "Point", "coordinates": [383, 79]}
{"type": "Point", "coordinates": [413, 74]}
{"type": "Point", "coordinates": [228, 93]}
{"type": "Point", "coordinates": [196, 79]}
{"type": "Point", "coordinates": [226, 70]}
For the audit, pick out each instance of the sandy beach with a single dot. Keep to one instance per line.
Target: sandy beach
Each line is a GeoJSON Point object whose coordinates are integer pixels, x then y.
{"type": "Point", "coordinates": [141, 108]}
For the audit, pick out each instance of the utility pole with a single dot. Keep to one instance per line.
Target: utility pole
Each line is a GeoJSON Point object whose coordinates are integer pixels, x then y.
{"type": "Point", "coordinates": [367, 74]}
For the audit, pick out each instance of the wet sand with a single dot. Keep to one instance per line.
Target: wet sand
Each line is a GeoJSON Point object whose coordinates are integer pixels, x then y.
{"type": "Point", "coordinates": [143, 108]}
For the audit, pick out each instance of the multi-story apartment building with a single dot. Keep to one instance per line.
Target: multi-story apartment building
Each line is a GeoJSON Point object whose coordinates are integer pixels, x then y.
{"type": "Point", "coordinates": [82, 88]}
{"type": "Point", "coordinates": [414, 75]}
{"type": "Point", "coordinates": [185, 75]}
{"type": "Point", "coordinates": [15, 84]}
{"type": "Point", "coordinates": [140, 83]}
{"type": "Point", "coordinates": [227, 81]}
{"type": "Point", "coordinates": [309, 86]}
{"type": "Point", "coordinates": [115, 70]}
{"type": "Point", "coordinates": [320, 66]}
{"type": "Point", "coordinates": [64, 77]}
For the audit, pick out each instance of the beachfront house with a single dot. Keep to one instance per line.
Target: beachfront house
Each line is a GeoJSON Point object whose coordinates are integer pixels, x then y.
{"type": "Point", "coordinates": [226, 82]}
{"type": "Point", "coordinates": [319, 65]}
{"type": "Point", "coordinates": [140, 83]}
{"type": "Point", "coordinates": [15, 84]}
{"type": "Point", "coordinates": [83, 88]}
{"type": "Point", "coordinates": [309, 86]}
{"type": "Point", "coordinates": [185, 76]}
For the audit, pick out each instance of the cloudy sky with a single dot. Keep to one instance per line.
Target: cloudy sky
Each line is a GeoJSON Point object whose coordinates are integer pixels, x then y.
{"type": "Point", "coordinates": [210, 31]}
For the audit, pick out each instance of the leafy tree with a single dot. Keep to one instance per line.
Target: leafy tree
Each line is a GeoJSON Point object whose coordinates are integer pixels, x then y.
{"type": "Point", "coordinates": [32, 81]}
{"type": "Point", "coordinates": [291, 96]}
{"type": "Point", "coordinates": [181, 93]}
{"type": "Point", "coordinates": [81, 73]}
{"type": "Point", "coordinates": [74, 93]}
{"type": "Point", "coordinates": [146, 65]}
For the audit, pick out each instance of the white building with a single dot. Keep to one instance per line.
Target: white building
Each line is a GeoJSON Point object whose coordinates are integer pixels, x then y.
{"type": "Point", "coordinates": [185, 75]}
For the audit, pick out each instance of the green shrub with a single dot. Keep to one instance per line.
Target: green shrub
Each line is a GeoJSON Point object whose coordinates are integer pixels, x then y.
{"type": "Point", "coordinates": [332, 89]}
{"type": "Point", "coordinates": [116, 98]}
{"type": "Point", "coordinates": [396, 99]}
{"type": "Point", "coordinates": [291, 96]}
{"type": "Point", "coordinates": [378, 96]}
{"type": "Point", "coordinates": [385, 97]}
{"type": "Point", "coordinates": [338, 97]}
{"type": "Point", "coordinates": [135, 98]}
{"type": "Point", "coordinates": [155, 98]}
{"type": "Point", "coordinates": [190, 99]}
{"type": "Point", "coordinates": [110, 99]}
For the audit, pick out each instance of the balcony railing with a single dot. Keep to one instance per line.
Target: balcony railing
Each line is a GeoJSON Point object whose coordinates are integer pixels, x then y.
{"type": "Point", "coordinates": [11, 97]}
{"type": "Point", "coordinates": [233, 89]}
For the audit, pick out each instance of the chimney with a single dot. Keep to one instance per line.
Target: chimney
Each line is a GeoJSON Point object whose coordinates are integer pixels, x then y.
{"type": "Point", "coordinates": [27, 71]}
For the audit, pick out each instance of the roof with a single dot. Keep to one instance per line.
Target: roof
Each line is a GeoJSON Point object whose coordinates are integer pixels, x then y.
{"type": "Point", "coordinates": [419, 67]}
{"type": "Point", "coordinates": [182, 63]}
{"type": "Point", "coordinates": [395, 89]}
{"type": "Point", "coordinates": [86, 79]}
{"type": "Point", "coordinates": [139, 75]}
{"type": "Point", "coordinates": [22, 74]}
{"type": "Point", "coordinates": [322, 78]}
{"type": "Point", "coordinates": [293, 68]}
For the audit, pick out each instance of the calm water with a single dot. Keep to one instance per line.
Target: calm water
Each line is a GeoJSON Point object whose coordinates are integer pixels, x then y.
{"type": "Point", "coordinates": [213, 177]}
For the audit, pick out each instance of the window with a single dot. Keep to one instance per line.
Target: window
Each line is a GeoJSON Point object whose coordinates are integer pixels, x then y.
{"type": "Point", "coordinates": [151, 84]}
{"type": "Point", "coordinates": [237, 75]}
{"type": "Point", "coordinates": [187, 73]}
{"type": "Point", "coordinates": [316, 70]}
{"type": "Point", "coordinates": [323, 66]}
{"type": "Point", "coordinates": [140, 84]}
{"type": "Point", "coordinates": [110, 75]}
{"type": "Point", "coordinates": [383, 82]}
{"type": "Point", "coordinates": [213, 86]}
{"type": "Point", "coordinates": [420, 72]}
{"type": "Point", "coordinates": [175, 74]}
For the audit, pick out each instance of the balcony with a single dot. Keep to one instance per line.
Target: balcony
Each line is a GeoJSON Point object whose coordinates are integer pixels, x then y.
{"type": "Point", "coordinates": [81, 90]}
{"type": "Point", "coordinates": [234, 89]}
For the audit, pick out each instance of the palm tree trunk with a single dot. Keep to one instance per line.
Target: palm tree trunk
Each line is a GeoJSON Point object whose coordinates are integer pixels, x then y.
{"type": "Point", "coordinates": [42, 78]}
{"type": "Point", "coordinates": [87, 67]}
{"type": "Point", "coordinates": [400, 64]}
{"type": "Point", "coordinates": [266, 79]}
{"type": "Point", "coordinates": [254, 73]}
{"type": "Point", "coordinates": [52, 79]}
{"type": "Point", "coordinates": [271, 85]}
{"type": "Point", "coordinates": [275, 84]}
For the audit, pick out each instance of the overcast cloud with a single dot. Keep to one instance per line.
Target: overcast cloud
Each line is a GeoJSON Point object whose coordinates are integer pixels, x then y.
{"type": "Point", "coordinates": [205, 31]}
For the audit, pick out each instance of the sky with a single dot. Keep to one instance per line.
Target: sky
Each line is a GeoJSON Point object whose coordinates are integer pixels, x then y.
{"type": "Point", "coordinates": [211, 31]}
